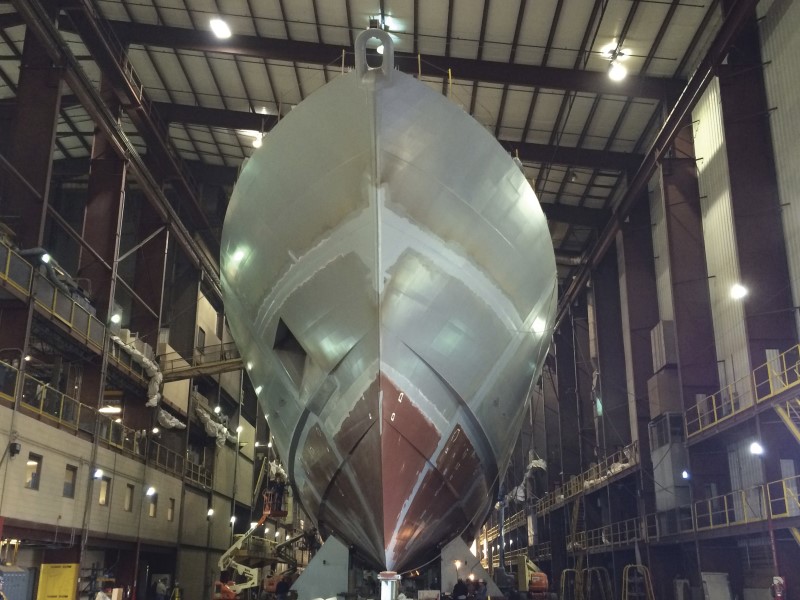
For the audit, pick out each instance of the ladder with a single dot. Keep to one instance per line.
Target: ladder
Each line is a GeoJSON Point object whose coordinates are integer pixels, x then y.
{"type": "Point", "coordinates": [572, 579]}
{"type": "Point", "coordinates": [636, 583]}
{"type": "Point", "coordinates": [597, 584]}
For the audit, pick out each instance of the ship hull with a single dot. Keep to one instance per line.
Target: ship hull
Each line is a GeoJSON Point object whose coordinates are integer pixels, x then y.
{"type": "Point", "coordinates": [389, 279]}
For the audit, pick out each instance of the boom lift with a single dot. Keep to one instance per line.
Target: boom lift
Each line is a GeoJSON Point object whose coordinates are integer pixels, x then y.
{"type": "Point", "coordinates": [273, 507]}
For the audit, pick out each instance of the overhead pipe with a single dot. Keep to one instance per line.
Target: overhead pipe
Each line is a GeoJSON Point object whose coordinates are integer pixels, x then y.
{"type": "Point", "coordinates": [738, 14]}
{"type": "Point", "coordinates": [37, 20]}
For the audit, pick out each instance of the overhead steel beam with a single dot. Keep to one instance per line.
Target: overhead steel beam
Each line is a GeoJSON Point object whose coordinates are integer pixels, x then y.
{"type": "Point", "coordinates": [734, 20]}
{"type": "Point", "coordinates": [576, 215]}
{"type": "Point", "coordinates": [76, 78]}
{"type": "Point", "coordinates": [110, 57]}
{"type": "Point", "coordinates": [12, 19]}
{"type": "Point", "coordinates": [557, 155]}
{"type": "Point", "coordinates": [638, 86]}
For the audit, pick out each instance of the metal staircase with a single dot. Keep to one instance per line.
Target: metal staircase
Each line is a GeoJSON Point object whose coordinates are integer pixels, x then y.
{"type": "Point", "coordinates": [789, 412]}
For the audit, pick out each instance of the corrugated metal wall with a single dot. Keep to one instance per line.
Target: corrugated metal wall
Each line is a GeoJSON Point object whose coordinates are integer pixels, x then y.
{"type": "Point", "coordinates": [780, 47]}
{"type": "Point", "coordinates": [655, 192]}
{"type": "Point", "coordinates": [720, 238]}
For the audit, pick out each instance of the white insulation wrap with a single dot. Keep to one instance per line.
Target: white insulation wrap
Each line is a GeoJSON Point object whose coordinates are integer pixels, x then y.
{"type": "Point", "coordinates": [214, 428]}
{"type": "Point", "coordinates": [150, 368]}
{"type": "Point", "coordinates": [167, 421]}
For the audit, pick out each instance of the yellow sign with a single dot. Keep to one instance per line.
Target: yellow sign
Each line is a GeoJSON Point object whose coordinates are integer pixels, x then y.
{"type": "Point", "coordinates": [58, 582]}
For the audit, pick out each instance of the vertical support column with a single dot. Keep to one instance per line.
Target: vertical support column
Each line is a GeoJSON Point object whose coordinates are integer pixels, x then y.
{"type": "Point", "coordinates": [614, 423]}
{"type": "Point", "coordinates": [639, 304]}
{"type": "Point", "coordinates": [102, 221]}
{"type": "Point", "coordinates": [567, 399]}
{"type": "Point", "coordinates": [694, 332]}
{"type": "Point", "coordinates": [583, 380]}
{"type": "Point", "coordinates": [151, 265]}
{"type": "Point", "coordinates": [33, 138]}
{"type": "Point", "coordinates": [552, 427]}
{"type": "Point", "coordinates": [754, 196]}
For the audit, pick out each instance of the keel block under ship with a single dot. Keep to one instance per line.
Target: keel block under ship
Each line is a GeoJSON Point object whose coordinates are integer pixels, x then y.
{"type": "Point", "coordinates": [389, 278]}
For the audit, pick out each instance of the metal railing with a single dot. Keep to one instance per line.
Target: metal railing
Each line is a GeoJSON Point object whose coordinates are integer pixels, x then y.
{"type": "Point", "coordinates": [765, 382]}
{"type": "Point", "coordinates": [542, 551]}
{"type": "Point", "coordinates": [594, 477]}
{"type": "Point", "coordinates": [130, 441]}
{"type": "Point", "coordinates": [775, 500]}
{"type": "Point", "coordinates": [211, 360]}
{"type": "Point", "coordinates": [739, 507]}
{"type": "Point", "coordinates": [8, 381]}
{"type": "Point", "coordinates": [166, 459]}
{"type": "Point", "coordinates": [55, 405]}
{"type": "Point", "coordinates": [72, 314]}
{"type": "Point", "coordinates": [15, 270]}
{"type": "Point", "coordinates": [621, 533]}
{"type": "Point", "coordinates": [516, 520]}
{"type": "Point", "coordinates": [198, 474]}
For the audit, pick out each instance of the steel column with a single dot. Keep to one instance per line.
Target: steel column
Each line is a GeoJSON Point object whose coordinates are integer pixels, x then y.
{"type": "Point", "coordinates": [694, 89]}
{"type": "Point", "coordinates": [33, 139]}
{"type": "Point", "coordinates": [614, 424]}
{"type": "Point", "coordinates": [639, 303]}
{"type": "Point", "coordinates": [103, 214]}
{"type": "Point", "coordinates": [583, 379]}
{"type": "Point", "coordinates": [148, 280]}
{"type": "Point", "coordinates": [567, 400]}
{"type": "Point", "coordinates": [694, 333]}
{"type": "Point", "coordinates": [754, 196]}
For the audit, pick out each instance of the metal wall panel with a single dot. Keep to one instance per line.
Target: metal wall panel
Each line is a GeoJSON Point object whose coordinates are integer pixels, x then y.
{"type": "Point", "coordinates": [660, 247]}
{"type": "Point", "coordinates": [780, 46]}
{"type": "Point", "coordinates": [720, 238]}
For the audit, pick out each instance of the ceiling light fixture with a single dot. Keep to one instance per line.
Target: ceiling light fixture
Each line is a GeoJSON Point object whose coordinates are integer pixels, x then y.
{"type": "Point", "coordinates": [220, 28]}
{"type": "Point", "coordinates": [151, 491]}
{"type": "Point", "coordinates": [217, 409]}
{"type": "Point", "coordinates": [617, 72]}
{"type": "Point", "coordinates": [156, 430]}
{"type": "Point", "coordinates": [756, 448]}
{"type": "Point", "coordinates": [258, 140]}
{"type": "Point", "coordinates": [46, 258]}
{"type": "Point", "coordinates": [110, 409]}
{"type": "Point", "coordinates": [116, 318]}
{"type": "Point", "coordinates": [210, 512]}
{"type": "Point", "coordinates": [98, 473]}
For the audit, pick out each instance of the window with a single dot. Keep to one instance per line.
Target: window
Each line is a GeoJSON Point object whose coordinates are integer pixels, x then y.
{"type": "Point", "coordinates": [129, 497]}
{"type": "Point", "coordinates": [105, 491]}
{"type": "Point", "coordinates": [171, 510]}
{"type": "Point", "coordinates": [70, 475]}
{"type": "Point", "coordinates": [220, 325]}
{"type": "Point", "coordinates": [153, 508]}
{"type": "Point", "coordinates": [201, 339]}
{"type": "Point", "coordinates": [33, 471]}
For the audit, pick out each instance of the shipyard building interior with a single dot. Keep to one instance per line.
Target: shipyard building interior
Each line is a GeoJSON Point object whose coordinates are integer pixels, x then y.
{"type": "Point", "coordinates": [659, 445]}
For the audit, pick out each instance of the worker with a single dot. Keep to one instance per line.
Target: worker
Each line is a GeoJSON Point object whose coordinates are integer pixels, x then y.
{"type": "Point", "coordinates": [481, 593]}
{"type": "Point", "coordinates": [460, 590]}
{"type": "Point", "coordinates": [161, 589]}
{"type": "Point", "coordinates": [104, 594]}
{"type": "Point", "coordinates": [282, 589]}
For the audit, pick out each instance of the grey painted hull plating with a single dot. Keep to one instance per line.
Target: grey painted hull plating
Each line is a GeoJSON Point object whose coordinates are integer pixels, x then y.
{"type": "Point", "coordinates": [390, 281]}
